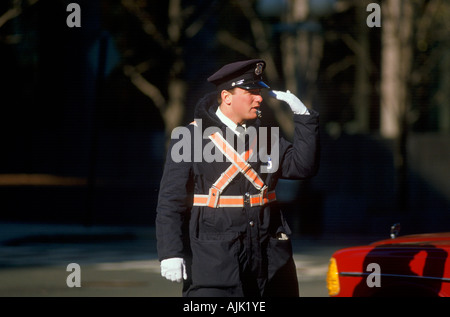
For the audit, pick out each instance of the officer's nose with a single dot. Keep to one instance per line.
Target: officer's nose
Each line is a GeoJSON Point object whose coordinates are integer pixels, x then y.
{"type": "Point", "coordinates": [258, 98]}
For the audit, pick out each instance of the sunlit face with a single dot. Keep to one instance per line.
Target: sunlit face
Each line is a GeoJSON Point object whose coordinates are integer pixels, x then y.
{"type": "Point", "coordinates": [241, 104]}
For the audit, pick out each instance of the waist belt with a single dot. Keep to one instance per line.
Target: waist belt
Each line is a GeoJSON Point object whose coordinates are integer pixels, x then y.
{"type": "Point", "coordinates": [237, 201]}
{"type": "Point", "coordinates": [239, 164]}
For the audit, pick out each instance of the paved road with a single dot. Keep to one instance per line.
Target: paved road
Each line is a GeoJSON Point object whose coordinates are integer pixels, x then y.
{"type": "Point", "coordinates": [115, 261]}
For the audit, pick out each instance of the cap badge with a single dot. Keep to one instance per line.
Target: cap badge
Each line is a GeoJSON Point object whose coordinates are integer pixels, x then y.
{"type": "Point", "coordinates": [259, 69]}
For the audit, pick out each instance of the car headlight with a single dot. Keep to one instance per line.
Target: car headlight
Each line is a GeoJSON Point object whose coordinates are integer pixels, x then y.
{"type": "Point", "coordinates": [333, 278]}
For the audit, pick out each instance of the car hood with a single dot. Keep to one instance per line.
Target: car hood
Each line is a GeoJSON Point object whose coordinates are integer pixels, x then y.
{"type": "Point", "coordinates": [435, 239]}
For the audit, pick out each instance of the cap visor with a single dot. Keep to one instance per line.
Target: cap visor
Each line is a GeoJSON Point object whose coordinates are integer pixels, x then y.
{"type": "Point", "coordinates": [254, 85]}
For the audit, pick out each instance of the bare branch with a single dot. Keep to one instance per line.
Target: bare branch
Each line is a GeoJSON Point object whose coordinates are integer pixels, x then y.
{"type": "Point", "coordinates": [236, 44]}
{"type": "Point", "coordinates": [175, 21]}
{"type": "Point", "coordinates": [255, 24]}
{"type": "Point", "coordinates": [15, 11]}
{"type": "Point", "coordinates": [147, 25]}
{"type": "Point", "coordinates": [145, 86]}
{"type": "Point", "coordinates": [9, 15]}
{"type": "Point", "coordinates": [358, 49]}
{"type": "Point", "coordinates": [191, 30]}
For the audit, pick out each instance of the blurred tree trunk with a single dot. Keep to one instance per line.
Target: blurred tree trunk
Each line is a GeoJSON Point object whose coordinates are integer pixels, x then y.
{"type": "Point", "coordinates": [302, 52]}
{"type": "Point", "coordinates": [174, 112]}
{"type": "Point", "coordinates": [262, 49]}
{"type": "Point", "coordinates": [396, 65]}
{"type": "Point", "coordinates": [433, 42]}
{"type": "Point", "coordinates": [361, 101]}
{"type": "Point", "coordinates": [444, 93]}
{"type": "Point", "coordinates": [397, 50]}
{"type": "Point", "coordinates": [301, 56]}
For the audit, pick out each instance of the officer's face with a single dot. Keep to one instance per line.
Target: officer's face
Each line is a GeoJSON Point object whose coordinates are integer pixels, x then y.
{"type": "Point", "coordinates": [245, 103]}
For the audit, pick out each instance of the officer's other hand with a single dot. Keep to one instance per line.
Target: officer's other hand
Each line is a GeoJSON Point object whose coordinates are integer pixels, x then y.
{"type": "Point", "coordinates": [296, 105]}
{"type": "Point", "coordinates": [174, 269]}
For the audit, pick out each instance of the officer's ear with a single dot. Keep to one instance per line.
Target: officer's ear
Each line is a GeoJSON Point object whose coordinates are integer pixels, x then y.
{"type": "Point", "coordinates": [226, 97]}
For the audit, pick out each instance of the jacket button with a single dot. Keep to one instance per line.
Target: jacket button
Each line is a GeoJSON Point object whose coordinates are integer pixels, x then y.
{"type": "Point", "coordinates": [251, 223]}
{"type": "Point", "coordinates": [247, 198]}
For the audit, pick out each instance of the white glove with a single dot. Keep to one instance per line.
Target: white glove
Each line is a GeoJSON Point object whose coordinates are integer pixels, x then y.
{"type": "Point", "coordinates": [174, 269]}
{"type": "Point", "coordinates": [296, 105]}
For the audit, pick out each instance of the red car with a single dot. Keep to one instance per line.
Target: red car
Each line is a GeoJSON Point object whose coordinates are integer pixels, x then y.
{"type": "Point", "coordinates": [412, 265]}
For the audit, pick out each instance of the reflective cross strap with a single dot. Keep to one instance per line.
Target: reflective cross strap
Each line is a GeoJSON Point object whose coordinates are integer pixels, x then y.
{"type": "Point", "coordinates": [234, 157]}
{"type": "Point", "coordinates": [239, 165]}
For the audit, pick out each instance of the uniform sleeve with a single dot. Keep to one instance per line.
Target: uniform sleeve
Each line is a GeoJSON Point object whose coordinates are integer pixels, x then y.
{"type": "Point", "coordinates": [301, 157]}
{"type": "Point", "coordinates": [174, 203]}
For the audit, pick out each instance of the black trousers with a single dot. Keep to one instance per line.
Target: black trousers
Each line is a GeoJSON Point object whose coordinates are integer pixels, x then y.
{"type": "Point", "coordinates": [283, 284]}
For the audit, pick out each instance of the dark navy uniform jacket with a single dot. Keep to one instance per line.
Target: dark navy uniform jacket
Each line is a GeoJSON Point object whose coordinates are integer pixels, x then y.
{"type": "Point", "coordinates": [232, 251]}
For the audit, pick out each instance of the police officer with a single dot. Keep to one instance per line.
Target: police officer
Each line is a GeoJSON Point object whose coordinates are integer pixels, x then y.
{"type": "Point", "coordinates": [218, 225]}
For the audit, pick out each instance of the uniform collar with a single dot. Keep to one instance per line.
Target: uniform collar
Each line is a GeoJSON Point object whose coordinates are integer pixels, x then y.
{"type": "Point", "coordinates": [227, 121]}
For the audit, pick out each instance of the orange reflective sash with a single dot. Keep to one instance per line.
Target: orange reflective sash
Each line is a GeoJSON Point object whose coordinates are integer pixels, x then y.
{"type": "Point", "coordinates": [239, 164]}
